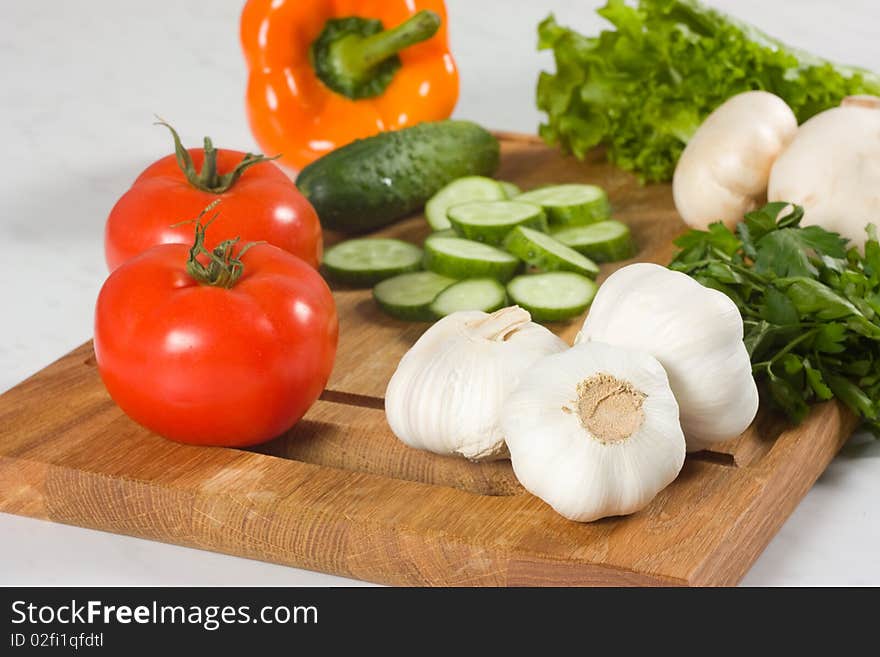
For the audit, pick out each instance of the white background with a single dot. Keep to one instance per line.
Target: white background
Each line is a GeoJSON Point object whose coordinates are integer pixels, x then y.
{"type": "Point", "coordinates": [80, 84]}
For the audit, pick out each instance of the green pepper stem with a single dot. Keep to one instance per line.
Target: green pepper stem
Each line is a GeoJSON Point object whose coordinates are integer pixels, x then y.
{"type": "Point", "coordinates": [359, 55]}
{"type": "Point", "coordinates": [209, 179]}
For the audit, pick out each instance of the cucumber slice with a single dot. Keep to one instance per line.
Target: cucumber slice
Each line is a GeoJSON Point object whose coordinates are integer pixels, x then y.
{"type": "Point", "coordinates": [553, 296]}
{"type": "Point", "coordinates": [463, 190]}
{"type": "Point", "coordinates": [605, 241]}
{"type": "Point", "coordinates": [446, 232]}
{"type": "Point", "coordinates": [409, 296]}
{"type": "Point", "coordinates": [491, 221]}
{"type": "Point", "coordinates": [546, 254]}
{"type": "Point", "coordinates": [460, 258]}
{"type": "Point", "coordinates": [570, 205]}
{"type": "Point", "coordinates": [510, 190]}
{"type": "Point", "coordinates": [484, 294]}
{"type": "Point", "coordinates": [366, 261]}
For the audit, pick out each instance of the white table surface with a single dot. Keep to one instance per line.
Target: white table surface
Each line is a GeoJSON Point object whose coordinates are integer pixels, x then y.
{"type": "Point", "coordinates": [80, 84]}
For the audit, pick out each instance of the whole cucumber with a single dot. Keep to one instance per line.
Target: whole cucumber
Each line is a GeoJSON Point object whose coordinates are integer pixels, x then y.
{"type": "Point", "coordinates": [374, 181]}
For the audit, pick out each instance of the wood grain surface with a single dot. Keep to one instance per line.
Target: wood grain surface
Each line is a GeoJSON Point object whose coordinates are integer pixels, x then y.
{"type": "Point", "coordinates": [338, 493]}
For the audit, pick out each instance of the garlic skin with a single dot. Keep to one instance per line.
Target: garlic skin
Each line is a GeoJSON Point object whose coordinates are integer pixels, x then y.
{"type": "Point", "coordinates": [832, 169]}
{"type": "Point", "coordinates": [594, 431]}
{"type": "Point", "coordinates": [697, 335]}
{"type": "Point", "coordinates": [447, 391]}
{"type": "Point", "coordinates": [723, 171]}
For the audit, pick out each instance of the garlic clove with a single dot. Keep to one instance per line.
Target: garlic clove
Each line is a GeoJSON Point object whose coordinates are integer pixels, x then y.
{"type": "Point", "coordinates": [697, 335]}
{"type": "Point", "coordinates": [447, 391]}
{"type": "Point", "coordinates": [594, 432]}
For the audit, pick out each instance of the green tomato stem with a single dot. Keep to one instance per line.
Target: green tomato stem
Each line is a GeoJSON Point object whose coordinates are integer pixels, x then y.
{"type": "Point", "coordinates": [224, 266]}
{"type": "Point", "coordinates": [208, 179]}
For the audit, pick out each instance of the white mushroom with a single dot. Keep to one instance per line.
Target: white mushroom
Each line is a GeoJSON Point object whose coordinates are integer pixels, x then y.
{"type": "Point", "coordinates": [832, 168]}
{"type": "Point", "coordinates": [723, 171]}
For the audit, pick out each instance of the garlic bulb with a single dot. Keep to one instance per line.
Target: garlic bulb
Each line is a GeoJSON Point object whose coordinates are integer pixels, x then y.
{"type": "Point", "coordinates": [594, 431]}
{"type": "Point", "coordinates": [697, 335]}
{"type": "Point", "coordinates": [448, 389]}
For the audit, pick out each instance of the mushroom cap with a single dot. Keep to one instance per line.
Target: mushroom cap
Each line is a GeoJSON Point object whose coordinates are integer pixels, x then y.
{"type": "Point", "coordinates": [723, 171]}
{"type": "Point", "coordinates": [832, 169]}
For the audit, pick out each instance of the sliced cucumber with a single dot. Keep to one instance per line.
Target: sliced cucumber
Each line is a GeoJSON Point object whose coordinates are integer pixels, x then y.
{"type": "Point", "coordinates": [463, 190]}
{"type": "Point", "coordinates": [605, 241]}
{"type": "Point", "coordinates": [460, 258]}
{"type": "Point", "coordinates": [546, 254]}
{"type": "Point", "coordinates": [491, 221]}
{"type": "Point", "coordinates": [510, 190]}
{"type": "Point", "coordinates": [409, 296]}
{"type": "Point", "coordinates": [553, 296]}
{"type": "Point", "coordinates": [446, 232]}
{"type": "Point", "coordinates": [366, 261]}
{"type": "Point", "coordinates": [484, 294]}
{"type": "Point", "coordinates": [570, 205]}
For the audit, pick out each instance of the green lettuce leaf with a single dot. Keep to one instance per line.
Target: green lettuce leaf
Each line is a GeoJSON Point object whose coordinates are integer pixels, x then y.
{"type": "Point", "coordinates": [643, 87]}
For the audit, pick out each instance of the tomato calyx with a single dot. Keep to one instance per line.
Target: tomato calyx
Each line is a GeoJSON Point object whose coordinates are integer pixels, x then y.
{"type": "Point", "coordinates": [224, 266]}
{"type": "Point", "coordinates": [209, 179]}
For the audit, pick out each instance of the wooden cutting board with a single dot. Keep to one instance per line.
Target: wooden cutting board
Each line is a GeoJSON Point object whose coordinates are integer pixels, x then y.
{"type": "Point", "coordinates": [338, 493]}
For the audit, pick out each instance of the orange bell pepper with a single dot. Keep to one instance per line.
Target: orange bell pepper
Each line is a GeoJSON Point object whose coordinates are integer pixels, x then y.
{"type": "Point", "coordinates": [326, 72]}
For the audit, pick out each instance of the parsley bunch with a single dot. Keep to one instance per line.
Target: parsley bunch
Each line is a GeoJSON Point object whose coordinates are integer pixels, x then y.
{"type": "Point", "coordinates": [810, 306]}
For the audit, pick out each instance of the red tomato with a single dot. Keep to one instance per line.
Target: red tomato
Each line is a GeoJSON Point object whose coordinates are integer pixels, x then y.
{"type": "Point", "coordinates": [262, 204]}
{"type": "Point", "coordinates": [209, 365]}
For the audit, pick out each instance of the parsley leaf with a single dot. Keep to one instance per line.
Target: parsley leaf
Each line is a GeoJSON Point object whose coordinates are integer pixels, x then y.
{"type": "Point", "coordinates": [797, 251]}
{"type": "Point", "coordinates": [697, 244]}
{"type": "Point", "coordinates": [778, 308]}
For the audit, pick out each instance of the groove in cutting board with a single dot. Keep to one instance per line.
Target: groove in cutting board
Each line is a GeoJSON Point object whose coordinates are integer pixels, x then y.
{"type": "Point", "coordinates": [352, 399]}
